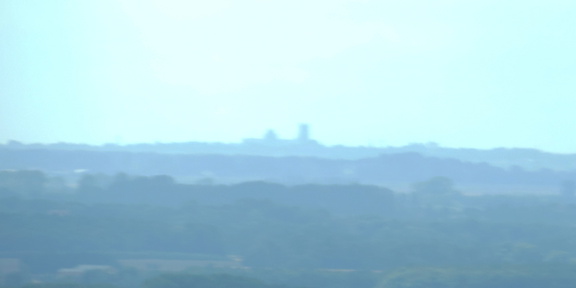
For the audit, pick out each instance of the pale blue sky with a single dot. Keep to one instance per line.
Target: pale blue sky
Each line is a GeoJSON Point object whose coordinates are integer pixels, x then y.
{"type": "Point", "coordinates": [482, 74]}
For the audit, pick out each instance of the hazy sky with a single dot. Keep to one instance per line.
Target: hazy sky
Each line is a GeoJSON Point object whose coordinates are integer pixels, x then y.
{"type": "Point", "coordinates": [485, 73]}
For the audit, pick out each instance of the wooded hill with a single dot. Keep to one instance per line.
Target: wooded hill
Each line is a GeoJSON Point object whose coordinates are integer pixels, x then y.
{"type": "Point", "coordinates": [390, 170]}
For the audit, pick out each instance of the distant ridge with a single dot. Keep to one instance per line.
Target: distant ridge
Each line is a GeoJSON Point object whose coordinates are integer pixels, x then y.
{"type": "Point", "coordinates": [512, 158]}
{"type": "Point", "coordinates": [389, 170]}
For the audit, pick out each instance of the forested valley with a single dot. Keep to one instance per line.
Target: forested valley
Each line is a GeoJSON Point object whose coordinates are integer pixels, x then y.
{"type": "Point", "coordinates": [127, 231]}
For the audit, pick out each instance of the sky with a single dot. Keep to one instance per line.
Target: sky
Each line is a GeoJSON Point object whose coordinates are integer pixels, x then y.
{"type": "Point", "coordinates": [461, 73]}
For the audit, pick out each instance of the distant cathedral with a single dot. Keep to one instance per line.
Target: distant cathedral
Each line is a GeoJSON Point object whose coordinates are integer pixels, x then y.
{"type": "Point", "coordinates": [271, 138]}
{"type": "Point", "coordinates": [303, 133]}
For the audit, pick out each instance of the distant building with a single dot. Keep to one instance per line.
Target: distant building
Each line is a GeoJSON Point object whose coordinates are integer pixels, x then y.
{"type": "Point", "coordinates": [304, 133]}
{"type": "Point", "coordinates": [270, 138]}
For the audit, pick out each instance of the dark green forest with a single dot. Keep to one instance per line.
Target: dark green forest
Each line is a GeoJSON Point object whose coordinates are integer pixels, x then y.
{"type": "Point", "coordinates": [260, 234]}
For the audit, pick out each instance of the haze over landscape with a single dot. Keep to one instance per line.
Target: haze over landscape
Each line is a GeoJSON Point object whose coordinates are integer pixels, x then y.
{"type": "Point", "coordinates": [478, 74]}
{"type": "Point", "coordinates": [287, 144]}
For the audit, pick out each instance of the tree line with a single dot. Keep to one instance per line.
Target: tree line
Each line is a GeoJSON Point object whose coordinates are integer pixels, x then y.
{"type": "Point", "coordinates": [364, 236]}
